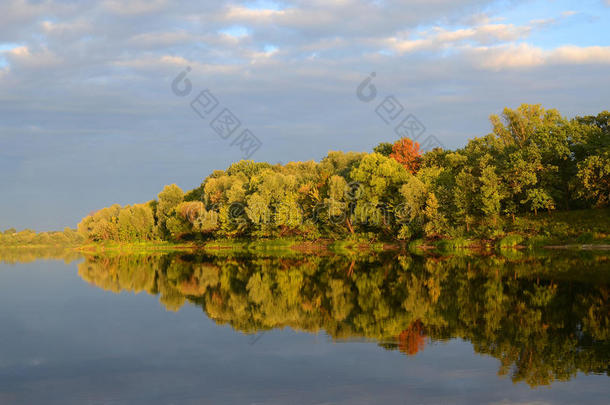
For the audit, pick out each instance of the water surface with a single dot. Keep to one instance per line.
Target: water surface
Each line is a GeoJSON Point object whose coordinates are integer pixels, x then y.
{"type": "Point", "coordinates": [304, 329]}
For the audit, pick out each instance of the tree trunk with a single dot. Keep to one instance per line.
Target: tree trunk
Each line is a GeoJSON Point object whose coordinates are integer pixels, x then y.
{"type": "Point", "coordinates": [349, 225]}
{"type": "Point", "coordinates": [350, 271]}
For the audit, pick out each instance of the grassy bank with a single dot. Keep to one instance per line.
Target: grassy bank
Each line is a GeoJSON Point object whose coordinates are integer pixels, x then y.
{"type": "Point", "coordinates": [581, 229]}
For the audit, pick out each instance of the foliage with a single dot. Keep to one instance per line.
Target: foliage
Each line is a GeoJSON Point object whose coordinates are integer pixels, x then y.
{"type": "Point", "coordinates": [534, 160]}
{"type": "Point", "coordinates": [384, 148]}
{"type": "Point", "coordinates": [510, 241]}
{"type": "Point", "coordinates": [407, 153]}
{"type": "Point", "coordinates": [27, 237]}
{"type": "Point", "coordinates": [594, 179]}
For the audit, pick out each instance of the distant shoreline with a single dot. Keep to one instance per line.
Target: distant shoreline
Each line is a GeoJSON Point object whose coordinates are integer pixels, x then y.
{"type": "Point", "coordinates": [331, 246]}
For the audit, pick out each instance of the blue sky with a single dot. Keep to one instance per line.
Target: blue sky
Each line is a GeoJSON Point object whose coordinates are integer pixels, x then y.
{"type": "Point", "coordinates": [88, 117]}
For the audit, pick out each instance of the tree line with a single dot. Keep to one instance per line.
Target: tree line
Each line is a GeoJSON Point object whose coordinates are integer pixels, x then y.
{"type": "Point", "coordinates": [29, 237]}
{"type": "Point", "coordinates": [533, 160]}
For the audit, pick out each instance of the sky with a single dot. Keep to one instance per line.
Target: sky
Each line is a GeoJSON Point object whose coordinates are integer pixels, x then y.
{"type": "Point", "coordinates": [94, 109]}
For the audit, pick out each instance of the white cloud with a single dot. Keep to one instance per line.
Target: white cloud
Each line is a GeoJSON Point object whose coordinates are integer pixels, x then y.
{"type": "Point", "coordinates": [507, 56]}
{"type": "Point", "coordinates": [247, 14]}
{"type": "Point", "coordinates": [439, 38]}
{"type": "Point", "coordinates": [528, 56]}
{"type": "Point", "coordinates": [580, 55]}
{"type": "Point", "coordinates": [23, 57]}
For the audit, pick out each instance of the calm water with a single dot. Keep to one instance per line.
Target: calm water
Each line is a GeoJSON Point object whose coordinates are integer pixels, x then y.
{"type": "Point", "coordinates": [304, 329]}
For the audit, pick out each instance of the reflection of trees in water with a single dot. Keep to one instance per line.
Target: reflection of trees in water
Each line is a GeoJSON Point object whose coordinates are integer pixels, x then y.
{"type": "Point", "coordinates": [413, 339]}
{"type": "Point", "coordinates": [12, 255]}
{"type": "Point", "coordinates": [543, 318]}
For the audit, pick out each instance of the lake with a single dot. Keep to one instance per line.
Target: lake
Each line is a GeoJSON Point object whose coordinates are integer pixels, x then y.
{"type": "Point", "coordinates": [292, 328]}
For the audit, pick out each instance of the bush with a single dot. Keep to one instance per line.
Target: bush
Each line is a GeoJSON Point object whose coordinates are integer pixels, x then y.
{"type": "Point", "coordinates": [510, 241]}
{"type": "Point", "coordinates": [452, 245]}
{"type": "Point", "coordinates": [586, 237]}
{"type": "Point", "coordinates": [537, 241]}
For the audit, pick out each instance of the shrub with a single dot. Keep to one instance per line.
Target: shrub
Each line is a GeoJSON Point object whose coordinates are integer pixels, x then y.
{"type": "Point", "coordinates": [510, 241]}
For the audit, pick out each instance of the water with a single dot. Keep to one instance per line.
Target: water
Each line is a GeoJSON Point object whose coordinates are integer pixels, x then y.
{"type": "Point", "coordinates": [304, 329]}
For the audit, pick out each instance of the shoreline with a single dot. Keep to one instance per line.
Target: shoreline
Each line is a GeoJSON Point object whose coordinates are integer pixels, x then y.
{"type": "Point", "coordinates": [316, 246]}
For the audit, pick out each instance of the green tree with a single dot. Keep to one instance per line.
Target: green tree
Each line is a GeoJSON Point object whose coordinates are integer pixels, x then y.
{"type": "Point", "coordinates": [594, 179]}
{"type": "Point", "coordinates": [465, 198]}
{"type": "Point", "coordinates": [490, 193]}
{"type": "Point", "coordinates": [384, 148]}
{"type": "Point", "coordinates": [169, 199]}
{"type": "Point", "coordinates": [379, 179]}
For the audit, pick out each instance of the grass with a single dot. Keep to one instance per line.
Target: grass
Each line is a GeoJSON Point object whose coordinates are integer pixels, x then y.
{"type": "Point", "coordinates": [148, 246]}
{"type": "Point", "coordinates": [590, 226]}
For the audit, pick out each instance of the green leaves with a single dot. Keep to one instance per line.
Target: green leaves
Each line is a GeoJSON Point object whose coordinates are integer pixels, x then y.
{"type": "Point", "coordinates": [534, 159]}
{"type": "Point", "coordinates": [594, 179]}
{"type": "Point", "coordinates": [538, 198]}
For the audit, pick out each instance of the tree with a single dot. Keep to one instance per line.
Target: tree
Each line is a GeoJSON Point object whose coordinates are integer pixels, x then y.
{"type": "Point", "coordinates": [339, 163]}
{"type": "Point", "coordinates": [531, 124]}
{"type": "Point", "coordinates": [136, 223]}
{"type": "Point", "coordinates": [594, 179]}
{"type": "Point", "coordinates": [339, 204]}
{"type": "Point", "coordinates": [384, 148]}
{"type": "Point", "coordinates": [258, 210]}
{"type": "Point", "coordinates": [539, 199]}
{"type": "Point", "coordinates": [465, 198]}
{"type": "Point", "coordinates": [436, 223]}
{"type": "Point", "coordinates": [490, 193]}
{"type": "Point", "coordinates": [539, 134]}
{"type": "Point", "coordinates": [520, 169]}
{"type": "Point", "coordinates": [102, 225]}
{"type": "Point", "coordinates": [534, 159]}
{"type": "Point", "coordinates": [407, 153]}
{"type": "Point", "coordinates": [379, 179]}
{"type": "Point", "coordinates": [411, 213]}
{"type": "Point", "coordinates": [169, 199]}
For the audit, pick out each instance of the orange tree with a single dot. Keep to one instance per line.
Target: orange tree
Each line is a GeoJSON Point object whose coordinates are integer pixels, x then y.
{"type": "Point", "coordinates": [407, 153]}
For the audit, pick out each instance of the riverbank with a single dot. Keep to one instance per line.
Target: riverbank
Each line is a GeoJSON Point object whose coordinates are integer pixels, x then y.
{"type": "Point", "coordinates": [579, 229]}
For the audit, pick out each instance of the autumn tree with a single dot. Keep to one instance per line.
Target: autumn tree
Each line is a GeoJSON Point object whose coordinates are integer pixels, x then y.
{"type": "Point", "coordinates": [407, 153]}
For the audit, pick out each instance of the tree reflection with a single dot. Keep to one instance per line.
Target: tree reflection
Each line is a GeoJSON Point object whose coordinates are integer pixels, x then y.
{"type": "Point", "coordinates": [413, 339]}
{"type": "Point", "coordinates": [544, 318]}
